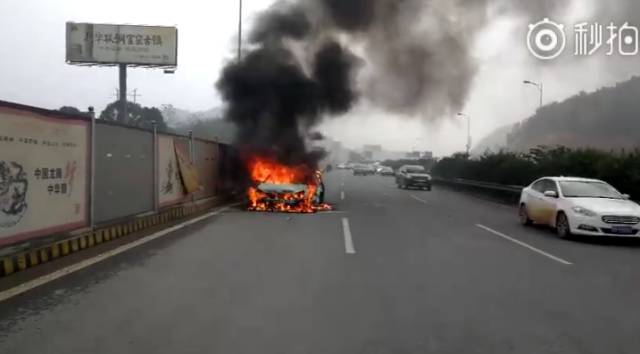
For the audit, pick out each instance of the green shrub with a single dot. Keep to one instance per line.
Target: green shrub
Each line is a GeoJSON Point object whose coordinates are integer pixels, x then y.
{"type": "Point", "coordinates": [621, 169]}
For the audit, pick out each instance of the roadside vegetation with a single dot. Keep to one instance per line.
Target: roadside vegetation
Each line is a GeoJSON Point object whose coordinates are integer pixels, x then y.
{"type": "Point", "coordinates": [396, 164]}
{"type": "Point", "coordinates": [619, 168]}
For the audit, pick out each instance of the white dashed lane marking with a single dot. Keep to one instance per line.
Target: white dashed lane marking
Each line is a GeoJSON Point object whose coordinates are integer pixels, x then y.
{"type": "Point", "coordinates": [419, 199]}
{"type": "Point", "coordinates": [525, 245]}
{"type": "Point", "coordinates": [348, 240]}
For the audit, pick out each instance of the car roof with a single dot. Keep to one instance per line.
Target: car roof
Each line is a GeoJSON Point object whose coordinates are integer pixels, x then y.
{"type": "Point", "coordinates": [413, 166]}
{"type": "Point", "coordinates": [282, 188]}
{"type": "Point", "coordinates": [572, 179]}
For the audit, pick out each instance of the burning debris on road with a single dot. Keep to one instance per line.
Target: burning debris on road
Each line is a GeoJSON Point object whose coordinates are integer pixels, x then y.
{"type": "Point", "coordinates": [281, 188]}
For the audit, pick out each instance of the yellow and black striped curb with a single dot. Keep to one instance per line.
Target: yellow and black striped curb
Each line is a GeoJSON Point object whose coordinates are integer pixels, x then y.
{"type": "Point", "coordinates": [31, 258]}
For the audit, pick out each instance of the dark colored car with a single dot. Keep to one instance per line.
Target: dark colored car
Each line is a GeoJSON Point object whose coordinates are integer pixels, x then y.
{"type": "Point", "coordinates": [363, 170]}
{"type": "Point", "coordinates": [413, 177]}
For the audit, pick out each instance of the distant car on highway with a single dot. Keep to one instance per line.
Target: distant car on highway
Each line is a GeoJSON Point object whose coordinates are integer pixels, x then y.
{"type": "Point", "coordinates": [410, 176]}
{"type": "Point", "coordinates": [579, 206]}
{"type": "Point", "coordinates": [363, 170]}
{"type": "Point", "coordinates": [385, 171]}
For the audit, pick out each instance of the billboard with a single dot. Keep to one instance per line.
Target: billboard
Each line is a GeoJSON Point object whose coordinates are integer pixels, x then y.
{"type": "Point", "coordinates": [122, 44]}
{"type": "Point", "coordinates": [43, 173]}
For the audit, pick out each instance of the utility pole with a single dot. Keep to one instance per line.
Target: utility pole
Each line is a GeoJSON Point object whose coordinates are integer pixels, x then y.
{"type": "Point", "coordinates": [135, 95]}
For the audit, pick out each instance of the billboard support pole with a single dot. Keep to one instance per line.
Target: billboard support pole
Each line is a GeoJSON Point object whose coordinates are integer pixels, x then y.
{"type": "Point", "coordinates": [123, 115]}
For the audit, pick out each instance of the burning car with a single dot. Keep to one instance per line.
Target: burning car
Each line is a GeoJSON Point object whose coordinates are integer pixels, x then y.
{"type": "Point", "coordinates": [280, 188]}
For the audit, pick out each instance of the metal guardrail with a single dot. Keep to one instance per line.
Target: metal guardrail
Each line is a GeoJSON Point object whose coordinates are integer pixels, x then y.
{"type": "Point", "coordinates": [505, 193]}
{"type": "Point", "coordinates": [479, 184]}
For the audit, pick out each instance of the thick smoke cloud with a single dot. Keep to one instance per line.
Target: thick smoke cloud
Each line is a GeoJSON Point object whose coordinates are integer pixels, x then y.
{"type": "Point", "coordinates": [356, 15]}
{"type": "Point", "coordinates": [276, 98]}
{"type": "Point", "coordinates": [309, 59]}
{"type": "Point", "coordinates": [283, 21]}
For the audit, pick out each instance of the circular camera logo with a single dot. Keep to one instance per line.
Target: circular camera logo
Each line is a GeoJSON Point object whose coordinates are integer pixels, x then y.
{"type": "Point", "coordinates": [546, 39]}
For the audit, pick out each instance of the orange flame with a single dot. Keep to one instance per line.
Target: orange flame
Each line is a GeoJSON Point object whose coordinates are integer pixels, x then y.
{"type": "Point", "coordinates": [263, 170]}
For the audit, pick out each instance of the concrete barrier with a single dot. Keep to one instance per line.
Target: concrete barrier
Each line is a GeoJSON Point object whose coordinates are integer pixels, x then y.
{"type": "Point", "coordinates": [71, 182]}
{"type": "Point", "coordinates": [30, 255]}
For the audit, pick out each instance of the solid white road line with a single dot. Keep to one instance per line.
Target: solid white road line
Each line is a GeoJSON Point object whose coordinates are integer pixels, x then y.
{"type": "Point", "coordinates": [9, 293]}
{"type": "Point", "coordinates": [419, 199]}
{"type": "Point", "coordinates": [548, 255]}
{"type": "Point", "coordinates": [348, 240]}
{"type": "Point", "coordinates": [342, 195]}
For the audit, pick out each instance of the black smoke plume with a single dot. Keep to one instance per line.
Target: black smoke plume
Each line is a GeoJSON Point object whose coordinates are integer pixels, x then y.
{"type": "Point", "coordinates": [311, 59]}
{"type": "Point", "coordinates": [275, 97]}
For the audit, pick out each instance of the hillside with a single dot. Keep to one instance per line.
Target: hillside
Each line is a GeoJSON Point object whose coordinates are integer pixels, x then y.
{"type": "Point", "coordinates": [606, 119]}
{"type": "Point", "coordinates": [205, 124]}
{"type": "Point", "coordinates": [212, 129]}
{"type": "Point", "coordinates": [494, 142]}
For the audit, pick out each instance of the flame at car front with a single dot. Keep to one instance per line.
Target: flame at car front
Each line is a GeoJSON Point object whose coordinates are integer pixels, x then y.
{"type": "Point", "coordinates": [277, 187]}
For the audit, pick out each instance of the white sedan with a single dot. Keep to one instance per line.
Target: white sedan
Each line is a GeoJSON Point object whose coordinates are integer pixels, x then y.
{"type": "Point", "coordinates": [579, 206]}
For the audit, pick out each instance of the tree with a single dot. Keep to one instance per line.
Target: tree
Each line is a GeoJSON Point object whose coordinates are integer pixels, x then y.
{"type": "Point", "coordinates": [137, 116]}
{"type": "Point", "coordinates": [69, 110]}
{"type": "Point", "coordinates": [169, 112]}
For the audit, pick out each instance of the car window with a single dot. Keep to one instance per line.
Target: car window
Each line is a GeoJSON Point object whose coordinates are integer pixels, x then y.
{"type": "Point", "coordinates": [550, 185]}
{"type": "Point", "coordinates": [589, 189]}
{"type": "Point", "coordinates": [539, 186]}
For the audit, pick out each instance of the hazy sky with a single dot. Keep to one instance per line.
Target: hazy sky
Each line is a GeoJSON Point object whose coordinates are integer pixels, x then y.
{"type": "Point", "coordinates": [33, 69]}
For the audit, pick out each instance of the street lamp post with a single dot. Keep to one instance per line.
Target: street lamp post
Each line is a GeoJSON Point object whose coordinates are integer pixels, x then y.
{"type": "Point", "coordinates": [240, 31]}
{"type": "Point", "coordinates": [468, 132]}
{"type": "Point", "coordinates": [538, 85]}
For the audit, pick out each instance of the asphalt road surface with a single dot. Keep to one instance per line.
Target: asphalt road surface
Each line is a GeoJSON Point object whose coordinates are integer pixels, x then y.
{"type": "Point", "coordinates": [390, 271]}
